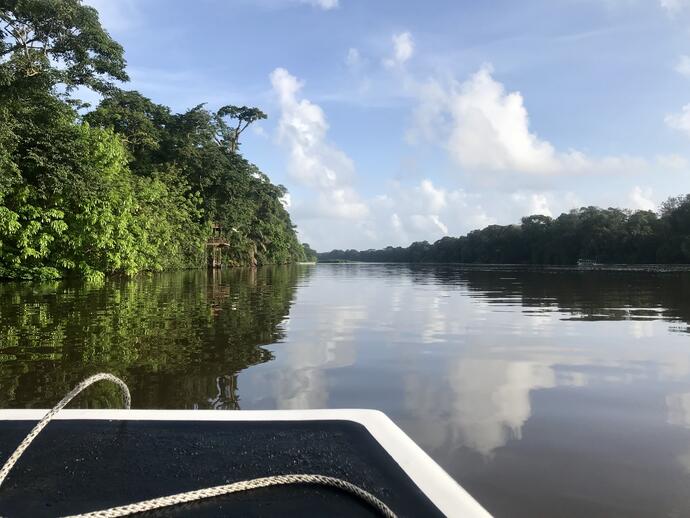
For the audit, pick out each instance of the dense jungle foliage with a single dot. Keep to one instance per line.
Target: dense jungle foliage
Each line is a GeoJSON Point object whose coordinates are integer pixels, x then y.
{"type": "Point", "coordinates": [590, 233]}
{"type": "Point", "coordinates": [127, 186]}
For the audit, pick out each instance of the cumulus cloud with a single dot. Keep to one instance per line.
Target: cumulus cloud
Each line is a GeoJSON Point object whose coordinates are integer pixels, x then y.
{"type": "Point", "coordinates": [403, 48]}
{"type": "Point", "coordinates": [326, 5]}
{"type": "Point", "coordinates": [313, 160]}
{"type": "Point", "coordinates": [424, 211]}
{"type": "Point", "coordinates": [673, 7]}
{"type": "Point", "coordinates": [491, 129]}
{"type": "Point", "coordinates": [410, 212]}
{"type": "Point", "coordinates": [532, 203]}
{"type": "Point", "coordinates": [680, 121]}
{"type": "Point", "coordinates": [486, 128]}
{"type": "Point", "coordinates": [420, 211]}
{"type": "Point", "coordinates": [672, 161]}
{"type": "Point", "coordinates": [683, 66]}
{"type": "Point", "coordinates": [482, 126]}
{"type": "Point", "coordinates": [436, 198]}
{"type": "Point", "coordinates": [641, 199]}
{"type": "Point", "coordinates": [406, 213]}
{"type": "Point", "coordinates": [353, 58]}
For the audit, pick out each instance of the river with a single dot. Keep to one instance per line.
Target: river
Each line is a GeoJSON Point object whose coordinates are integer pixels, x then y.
{"type": "Point", "coordinates": [544, 393]}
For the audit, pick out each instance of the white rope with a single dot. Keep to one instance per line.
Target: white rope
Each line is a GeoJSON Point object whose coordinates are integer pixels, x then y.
{"type": "Point", "coordinates": [190, 496]}
{"type": "Point", "coordinates": [278, 480]}
{"type": "Point", "coordinates": [12, 460]}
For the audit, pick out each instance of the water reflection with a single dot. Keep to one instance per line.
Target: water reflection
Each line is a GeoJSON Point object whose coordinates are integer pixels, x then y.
{"type": "Point", "coordinates": [509, 381]}
{"type": "Point", "coordinates": [179, 340]}
{"type": "Point", "coordinates": [322, 338]}
{"type": "Point", "coordinates": [679, 409]}
{"type": "Point", "coordinates": [544, 392]}
{"type": "Point", "coordinates": [482, 405]}
{"type": "Point", "coordinates": [610, 295]}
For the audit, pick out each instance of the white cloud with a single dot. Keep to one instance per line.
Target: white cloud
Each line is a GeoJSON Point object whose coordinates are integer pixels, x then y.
{"type": "Point", "coordinates": [485, 128]}
{"type": "Point", "coordinates": [641, 199]}
{"type": "Point", "coordinates": [533, 203]}
{"type": "Point", "coordinates": [423, 212]}
{"type": "Point", "coordinates": [683, 66]}
{"type": "Point", "coordinates": [491, 129]}
{"type": "Point", "coordinates": [481, 125]}
{"type": "Point", "coordinates": [427, 211]}
{"type": "Point", "coordinates": [407, 213]}
{"type": "Point", "coordinates": [673, 7]}
{"type": "Point", "coordinates": [672, 161]}
{"type": "Point", "coordinates": [680, 121]}
{"type": "Point", "coordinates": [436, 198]}
{"type": "Point", "coordinates": [403, 48]}
{"type": "Point", "coordinates": [314, 161]}
{"type": "Point", "coordinates": [353, 58]}
{"type": "Point", "coordinates": [395, 222]}
{"type": "Point", "coordinates": [428, 225]}
{"type": "Point", "coordinates": [326, 5]}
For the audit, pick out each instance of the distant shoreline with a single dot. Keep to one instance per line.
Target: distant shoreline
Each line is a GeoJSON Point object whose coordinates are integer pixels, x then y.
{"type": "Point", "coordinates": [652, 268]}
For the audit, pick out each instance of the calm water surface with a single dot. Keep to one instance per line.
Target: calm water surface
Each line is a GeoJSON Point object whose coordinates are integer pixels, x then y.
{"type": "Point", "coordinates": [543, 393]}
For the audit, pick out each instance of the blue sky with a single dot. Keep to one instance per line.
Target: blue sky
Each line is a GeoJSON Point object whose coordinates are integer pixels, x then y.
{"type": "Point", "coordinates": [393, 121]}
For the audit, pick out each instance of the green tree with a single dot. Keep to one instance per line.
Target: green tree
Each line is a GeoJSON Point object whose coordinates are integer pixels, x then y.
{"type": "Point", "coordinates": [60, 41]}
{"type": "Point", "coordinates": [675, 217]}
{"type": "Point", "coordinates": [605, 235]}
{"type": "Point", "coordinates": [309, 253]}
{"type": "Point", "coordinates": [230, 135]}
{"type": "Point", "coordinates": [129, 186]}
{"type": "Point", "coordinates": [141, 124]}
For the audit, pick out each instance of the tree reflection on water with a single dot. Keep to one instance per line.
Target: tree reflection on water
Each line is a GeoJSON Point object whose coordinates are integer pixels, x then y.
{"type": "Point", "coordinates": [179, 339]}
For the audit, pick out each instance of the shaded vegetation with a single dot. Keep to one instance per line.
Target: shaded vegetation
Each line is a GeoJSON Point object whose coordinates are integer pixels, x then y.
{"type": "Point", "coordinates": [178, 339]}
{"type": "Point", "coordinates": [613, 236]}
{"type": "Point", "coordinates": [612, 295]}
{"type": "Point", "coordinates": [128, 186]}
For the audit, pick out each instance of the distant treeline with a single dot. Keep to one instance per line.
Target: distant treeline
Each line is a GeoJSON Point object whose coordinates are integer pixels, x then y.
{"type": "Point", "coordinates": [590, 233]}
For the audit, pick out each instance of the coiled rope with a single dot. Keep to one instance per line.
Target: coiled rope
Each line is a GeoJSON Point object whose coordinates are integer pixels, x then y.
{"type": "Point", "coordinates": [190, 496]}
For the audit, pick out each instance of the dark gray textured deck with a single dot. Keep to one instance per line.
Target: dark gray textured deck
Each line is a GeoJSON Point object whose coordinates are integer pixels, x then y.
{"type": "Point", "coordinates": [80, 466]}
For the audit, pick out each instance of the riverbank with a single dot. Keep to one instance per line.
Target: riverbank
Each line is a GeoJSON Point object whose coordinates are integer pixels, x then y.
{"type": "Point", "coordinates": [654, 268]}
{"type": "Point", "coordinates": [73, 276]}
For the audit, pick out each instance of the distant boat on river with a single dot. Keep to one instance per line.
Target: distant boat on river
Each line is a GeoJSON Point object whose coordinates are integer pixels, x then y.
{"type": "Point", "coordinates": [587, 263]}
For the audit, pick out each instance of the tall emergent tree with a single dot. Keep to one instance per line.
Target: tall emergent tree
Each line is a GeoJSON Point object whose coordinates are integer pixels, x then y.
{"type": "Point", "coordinates": [229, 135]}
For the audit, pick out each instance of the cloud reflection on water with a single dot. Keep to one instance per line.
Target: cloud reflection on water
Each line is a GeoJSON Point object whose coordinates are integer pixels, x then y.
{"type": "Point", "coordinates": [456, 360]}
